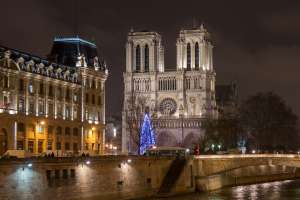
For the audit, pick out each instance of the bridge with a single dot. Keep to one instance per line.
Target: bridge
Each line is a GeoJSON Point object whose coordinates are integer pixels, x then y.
{"type": "Point", "coordinates": [215, 171]}
{"type": "Point", "coordinates": [216, 164]}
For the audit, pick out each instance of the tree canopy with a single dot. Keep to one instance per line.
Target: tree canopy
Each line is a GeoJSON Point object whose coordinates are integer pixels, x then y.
{"type": "Point", "coordinates": [269, 122]}
{"type": "Point", "coordinates": [263, 122]}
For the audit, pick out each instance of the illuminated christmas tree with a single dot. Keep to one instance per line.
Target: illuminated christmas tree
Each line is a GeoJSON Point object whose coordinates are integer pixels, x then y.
{"type": "Point", "coordinates": [147, 134]}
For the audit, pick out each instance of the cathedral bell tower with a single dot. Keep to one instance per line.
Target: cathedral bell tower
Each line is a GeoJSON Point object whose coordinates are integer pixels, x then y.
{"type": "Point", "coordinates": [194, 50]}
{"type": "Point", "coordinates": [144, 52]}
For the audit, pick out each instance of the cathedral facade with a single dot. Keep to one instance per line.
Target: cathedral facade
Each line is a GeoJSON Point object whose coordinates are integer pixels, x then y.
{"type": "Point", "coordinates": [177, 100]}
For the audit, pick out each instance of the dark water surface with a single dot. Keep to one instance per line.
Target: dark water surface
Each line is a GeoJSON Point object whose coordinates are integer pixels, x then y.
{"type": "Point", "coordinates": [274, 191]}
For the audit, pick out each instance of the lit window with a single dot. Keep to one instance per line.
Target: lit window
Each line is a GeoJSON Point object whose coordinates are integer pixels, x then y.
{"type": "Point", "coordinates": [21, 105]}
{"type": "Point", "coordinates": [30, 88]}
{"type": "Point", "coordinates": [67, 112]}
{"type": "Point", "coordinates": [41, 107]}
{"type": "Point", "coordinates": [75, 97]}
{"type": "Point", "coordinates": [75, 113]}
{"type": "Point", "coordinates": [58, 146]}
{"type": "Point", "coordinates": [49, 145]}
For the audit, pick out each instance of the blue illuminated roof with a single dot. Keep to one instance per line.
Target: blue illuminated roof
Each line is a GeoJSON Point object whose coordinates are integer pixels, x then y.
{"type": "Point", "coordinates": [73, 39]}
{"type": "Point", "coordinates": [66, 50]}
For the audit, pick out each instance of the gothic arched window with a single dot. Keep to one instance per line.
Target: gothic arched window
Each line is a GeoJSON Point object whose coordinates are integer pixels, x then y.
{"type": "Point", "coordinates": [197, 55]}
{"type": "Point", "coordinates": [138, 58]}
{"type": "Point", "coordinates": [146, 58]}
{"type": "Point", "coordinates": [188, 56]}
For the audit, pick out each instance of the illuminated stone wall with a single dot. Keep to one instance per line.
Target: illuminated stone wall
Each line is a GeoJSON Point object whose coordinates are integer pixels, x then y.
{"type": "Point", "coordinates": [102, 178]}
{"type": "Point", "coordinates": [121, 177]}
{"type": "Point", "coordinates": [177, 96]}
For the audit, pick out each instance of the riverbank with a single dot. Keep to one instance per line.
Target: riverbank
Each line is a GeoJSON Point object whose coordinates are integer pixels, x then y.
{"type": "Point", "coordinates": [278, 190]}
{"type": "Point", "coordinates": [128, 177]}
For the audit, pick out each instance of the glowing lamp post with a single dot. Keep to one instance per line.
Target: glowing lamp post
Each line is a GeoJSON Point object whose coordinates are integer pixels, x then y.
{"type": "Point", "coordinates": [213, 147]}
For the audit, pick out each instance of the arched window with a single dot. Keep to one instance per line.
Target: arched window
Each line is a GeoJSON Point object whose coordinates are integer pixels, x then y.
{"type": "Point", "coordinates": [188, 56]}
{"type": "Point", "coordinates": [197, 55]}
{"type": "Point", "coordinates": [138, 58]}
{"type": "Point", "coordinates": [146, 58]}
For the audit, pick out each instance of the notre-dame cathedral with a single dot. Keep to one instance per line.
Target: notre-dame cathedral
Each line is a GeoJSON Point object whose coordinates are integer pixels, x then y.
{"type": "Point", "coordinates": [177, 100]}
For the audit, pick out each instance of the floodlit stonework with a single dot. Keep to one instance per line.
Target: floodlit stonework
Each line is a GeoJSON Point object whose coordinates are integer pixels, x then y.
{"type": "Point", "coordinates": [178, 100]}
{"type": "Point", "coordinates": [49, 107]}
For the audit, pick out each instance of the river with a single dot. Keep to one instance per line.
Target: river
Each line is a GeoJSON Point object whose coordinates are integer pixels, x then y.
{"type": "Point", "coordinates": [281, 190]}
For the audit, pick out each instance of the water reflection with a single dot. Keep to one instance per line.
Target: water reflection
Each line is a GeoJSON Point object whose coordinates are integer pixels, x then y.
{"type": "Point", "coordinates": [281, 190]}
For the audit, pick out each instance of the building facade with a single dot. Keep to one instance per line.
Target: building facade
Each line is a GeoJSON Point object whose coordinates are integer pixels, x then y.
{"type": "Point", "coordinates": [177, 100]}
{"type": "Point", "coordinates": [113, 135]}
{"type": "Point", "coordinates": [55, 104]}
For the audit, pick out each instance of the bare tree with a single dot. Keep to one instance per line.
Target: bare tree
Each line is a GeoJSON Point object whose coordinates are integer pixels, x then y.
{"type": "Point", "coordinates": [134, 116]}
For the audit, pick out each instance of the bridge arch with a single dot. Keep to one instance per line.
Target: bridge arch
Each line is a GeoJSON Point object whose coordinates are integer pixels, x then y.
{"type": "Point", "coordinates": [190, 139]}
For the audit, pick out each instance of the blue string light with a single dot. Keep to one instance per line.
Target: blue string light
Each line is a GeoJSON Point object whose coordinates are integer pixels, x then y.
{"type": "Point", "coordinates": [147, 134]}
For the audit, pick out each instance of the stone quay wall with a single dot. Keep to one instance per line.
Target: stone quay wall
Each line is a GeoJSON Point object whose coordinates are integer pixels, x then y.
{"type": "Point", "coordinates": [129, 177]}
{"type": "Point", "coordinates": [88, 178]}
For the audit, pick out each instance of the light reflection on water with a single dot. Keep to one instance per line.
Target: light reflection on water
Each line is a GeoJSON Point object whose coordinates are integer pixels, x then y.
{"type": "Point", "coordinates": [281, 190]}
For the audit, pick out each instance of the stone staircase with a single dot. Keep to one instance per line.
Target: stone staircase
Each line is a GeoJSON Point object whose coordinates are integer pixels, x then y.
{"type": "Point", "coordinates": [171, 177]}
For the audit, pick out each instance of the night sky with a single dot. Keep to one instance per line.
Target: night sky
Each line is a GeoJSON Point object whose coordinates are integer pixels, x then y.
{"type": "Point", "coordinates": [257, 43]}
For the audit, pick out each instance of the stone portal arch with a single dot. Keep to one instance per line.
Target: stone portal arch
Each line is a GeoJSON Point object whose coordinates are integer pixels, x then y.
{"type": "Point", "coordinates": [190, 140]}
{"type": "Point", "coordinates": [166, 138]}
{"type": "Point", "coordinates": [3, 141]}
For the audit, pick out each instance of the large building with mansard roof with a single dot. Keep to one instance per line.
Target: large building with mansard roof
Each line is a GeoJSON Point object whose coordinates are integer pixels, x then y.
{"type": "Point", "coordinates": [177, 100]}
{"type": "Point", "coordinates": [54, 104]}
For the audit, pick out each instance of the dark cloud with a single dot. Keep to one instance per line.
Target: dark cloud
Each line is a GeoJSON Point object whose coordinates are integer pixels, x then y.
{"type": "Point", "coordinates": [256, 42]}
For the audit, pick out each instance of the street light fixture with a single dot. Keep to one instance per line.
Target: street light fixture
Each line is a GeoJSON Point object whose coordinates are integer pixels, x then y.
{"type": "Point", "coordinates": [115, 132]}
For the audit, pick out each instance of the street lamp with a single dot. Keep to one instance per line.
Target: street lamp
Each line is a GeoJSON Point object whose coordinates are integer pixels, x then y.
{"type": "Point", "coordinates": [213, 147]}
{"type": "Point", "coordinates": [115, 132]}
